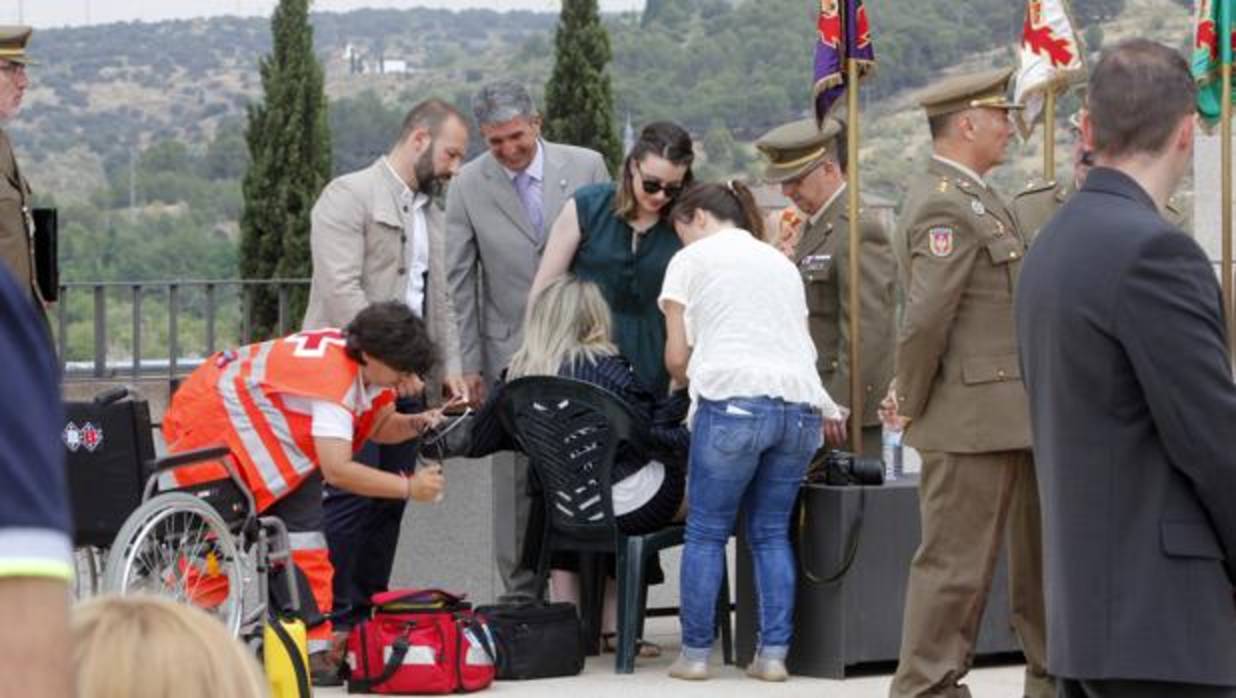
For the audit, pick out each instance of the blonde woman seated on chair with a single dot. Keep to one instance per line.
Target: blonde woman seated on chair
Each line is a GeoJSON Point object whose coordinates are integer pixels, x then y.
{"type": "Point", "coordinates": [568, 333]}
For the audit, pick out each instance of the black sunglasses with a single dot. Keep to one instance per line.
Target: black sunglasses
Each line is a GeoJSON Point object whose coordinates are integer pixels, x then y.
{"type": "Point", "coordinates": [652, 185]}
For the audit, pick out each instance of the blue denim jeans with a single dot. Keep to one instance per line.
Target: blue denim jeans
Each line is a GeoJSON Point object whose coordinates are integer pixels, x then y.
{"type": "Point", "coordinates": [749, 453]}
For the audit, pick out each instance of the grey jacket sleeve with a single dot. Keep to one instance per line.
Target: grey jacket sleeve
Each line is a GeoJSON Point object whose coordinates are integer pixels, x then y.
{"type": "Point", "coordinates": [462, 278]}
{"type": "Point", "coordinates": [445, 318]}
{"type": "Point", "coordinates": [337, 245]}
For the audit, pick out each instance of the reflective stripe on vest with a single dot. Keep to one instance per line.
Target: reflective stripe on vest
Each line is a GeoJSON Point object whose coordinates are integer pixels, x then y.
{"type": "Point", "coordinates": [246, 431]}
{"type": "Point", "coordinates": [301, 464]}
{"type": "Point", "coordinates": [307, 540]}
{"type": "Point", "coordinates": [277, 453]}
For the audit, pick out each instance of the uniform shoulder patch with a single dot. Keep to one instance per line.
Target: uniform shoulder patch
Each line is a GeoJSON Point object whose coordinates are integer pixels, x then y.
{"type": "Point", "coordinates": [940, 241]}
{"type": "Point", "coordinates": [1038, 185]}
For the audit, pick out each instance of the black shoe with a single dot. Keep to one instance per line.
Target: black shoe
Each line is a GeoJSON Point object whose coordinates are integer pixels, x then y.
{"type": "Point", "coordinates": [324, 670]}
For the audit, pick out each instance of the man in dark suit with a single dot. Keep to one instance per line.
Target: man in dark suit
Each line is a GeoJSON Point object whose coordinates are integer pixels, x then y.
{"type": "Point", "coordinates": [1123, 350]}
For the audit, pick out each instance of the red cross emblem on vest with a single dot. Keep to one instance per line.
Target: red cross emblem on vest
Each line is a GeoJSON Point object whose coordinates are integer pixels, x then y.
{"type": "Point", "coordinates": [313, 344]}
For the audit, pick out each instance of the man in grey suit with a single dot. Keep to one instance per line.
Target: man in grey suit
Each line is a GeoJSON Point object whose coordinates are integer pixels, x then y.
{"type": "Point", "coordinates": [498, 213]}
{"type": "Point", "coordinates": [1124, 354]}
{"type": "Point", "coordinates": [376, 235]}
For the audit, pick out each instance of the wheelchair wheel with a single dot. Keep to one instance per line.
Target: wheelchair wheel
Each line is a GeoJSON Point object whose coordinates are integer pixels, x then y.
{"type": "Point", "coordinates": [177, 546]}
{"type": "Point", "coordinates": [88, 572]}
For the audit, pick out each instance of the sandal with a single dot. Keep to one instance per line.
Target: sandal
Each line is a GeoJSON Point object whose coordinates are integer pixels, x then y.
{"type": "Point", "coordinates": [643, 648]}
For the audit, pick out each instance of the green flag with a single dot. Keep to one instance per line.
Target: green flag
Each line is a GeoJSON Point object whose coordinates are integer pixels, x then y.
{"type": "Point", "coordinates": [1212, 49]}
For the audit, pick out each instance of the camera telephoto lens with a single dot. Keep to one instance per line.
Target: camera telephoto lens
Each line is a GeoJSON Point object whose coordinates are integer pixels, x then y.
{"type": "Point", "coordinates": [843, 468]}
{"type": "Point", "coordinates": [867, 471]}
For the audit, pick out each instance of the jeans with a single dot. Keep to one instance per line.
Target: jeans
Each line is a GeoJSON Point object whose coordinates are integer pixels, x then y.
{"type": "Point", "coordinates": [749, 453]}
{"type": "Point", "coordinates": [362, 533]}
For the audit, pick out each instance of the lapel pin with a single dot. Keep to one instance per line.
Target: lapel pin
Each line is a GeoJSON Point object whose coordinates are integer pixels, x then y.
{"type": "Point", "coordinates": [977, 207]}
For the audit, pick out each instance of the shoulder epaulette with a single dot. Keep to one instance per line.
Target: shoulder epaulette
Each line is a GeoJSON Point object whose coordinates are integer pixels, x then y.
{"type": "Point", "coordinates": [1038, 185]}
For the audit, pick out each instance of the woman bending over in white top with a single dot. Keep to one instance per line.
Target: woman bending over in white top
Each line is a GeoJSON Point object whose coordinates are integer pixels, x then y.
{"type": "Point", "coordinates": [736, 327]}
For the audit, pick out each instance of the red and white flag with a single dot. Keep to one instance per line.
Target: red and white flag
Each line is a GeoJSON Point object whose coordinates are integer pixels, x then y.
{"type": "Point", "coordinates": [1051, 57]}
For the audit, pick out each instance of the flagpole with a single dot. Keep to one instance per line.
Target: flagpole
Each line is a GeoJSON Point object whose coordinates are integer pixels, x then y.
{"type": "Point", "coordinates": [1226, 184]}
{"type": "Point", "coordinates": [1225, 130]}
{"type": "Point", "coordinates": [856, 310]}
{"type": "Point", "coordinates": [1049, 133]}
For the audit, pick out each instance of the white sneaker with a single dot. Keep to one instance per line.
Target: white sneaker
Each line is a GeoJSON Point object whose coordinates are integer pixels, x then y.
{"type": "Point", "coordinates": [688, 669]}
{"type": "Point", "coordinates": [766, 669]}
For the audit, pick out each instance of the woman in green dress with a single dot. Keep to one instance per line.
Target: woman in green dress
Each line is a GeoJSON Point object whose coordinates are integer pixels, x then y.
{"type": "Point", "coordinates": [618, 237]}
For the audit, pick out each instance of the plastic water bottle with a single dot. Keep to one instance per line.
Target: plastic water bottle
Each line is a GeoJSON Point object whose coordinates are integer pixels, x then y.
{"type": "Point", "coordinates": [891, 439]}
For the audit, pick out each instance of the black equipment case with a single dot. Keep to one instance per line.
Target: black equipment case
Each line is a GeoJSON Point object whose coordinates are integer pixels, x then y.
{"type": "Point", "coordinates": [109, 449]}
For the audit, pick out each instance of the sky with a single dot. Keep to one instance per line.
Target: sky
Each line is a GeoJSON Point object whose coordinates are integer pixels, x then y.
{"type": "Point", "coordinates": [59, 13]}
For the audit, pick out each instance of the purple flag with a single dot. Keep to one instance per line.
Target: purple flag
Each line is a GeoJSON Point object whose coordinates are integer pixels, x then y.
{"type": "Point", "coordinates": [843, 32]}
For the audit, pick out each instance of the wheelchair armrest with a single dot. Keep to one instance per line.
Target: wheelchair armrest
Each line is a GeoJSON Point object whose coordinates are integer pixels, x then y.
{"type": "Point", "coordinates": [195, 456]}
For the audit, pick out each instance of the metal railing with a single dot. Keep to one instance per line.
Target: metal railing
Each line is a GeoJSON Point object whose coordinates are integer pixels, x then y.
{"type": "Point", "coordinates": [209, 300]}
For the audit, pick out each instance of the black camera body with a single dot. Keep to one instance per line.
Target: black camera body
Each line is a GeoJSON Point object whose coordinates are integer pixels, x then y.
{"type": "Point", "coordinates": [842, 468]}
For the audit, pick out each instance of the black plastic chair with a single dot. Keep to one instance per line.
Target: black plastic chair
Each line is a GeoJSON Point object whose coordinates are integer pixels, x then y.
{"type": "Point", "coordinates": [571, 431]}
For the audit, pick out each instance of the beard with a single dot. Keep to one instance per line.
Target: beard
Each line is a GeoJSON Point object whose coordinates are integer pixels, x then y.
{"type": "Point", "coordinates": [428, 182]}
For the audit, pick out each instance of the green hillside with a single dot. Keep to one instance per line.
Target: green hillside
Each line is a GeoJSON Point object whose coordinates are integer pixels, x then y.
{"type": "Point", "coordinates": [134, 130]}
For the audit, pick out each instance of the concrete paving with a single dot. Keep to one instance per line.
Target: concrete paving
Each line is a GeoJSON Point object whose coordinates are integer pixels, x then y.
{"type": "Point", "coordinates": [650, 679]}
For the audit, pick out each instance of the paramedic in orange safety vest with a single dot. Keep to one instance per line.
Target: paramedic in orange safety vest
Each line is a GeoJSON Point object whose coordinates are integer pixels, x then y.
{"type": "Point", "coordinates": [294, 407]}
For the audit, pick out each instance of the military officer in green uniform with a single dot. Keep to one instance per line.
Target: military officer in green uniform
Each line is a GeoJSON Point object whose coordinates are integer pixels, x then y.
{"type": "Point", "coordinates": [958, 383]}
{"type": "Point", "coordinates": [809, 162]}
{"type": "Point", "coordinates": [16, 224]}
{"type": "Point", "coordinates": [1039, 201]}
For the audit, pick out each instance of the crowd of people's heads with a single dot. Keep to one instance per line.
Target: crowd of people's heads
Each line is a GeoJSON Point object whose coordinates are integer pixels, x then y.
{"type": "Point", "coordinates": [1140, 103]}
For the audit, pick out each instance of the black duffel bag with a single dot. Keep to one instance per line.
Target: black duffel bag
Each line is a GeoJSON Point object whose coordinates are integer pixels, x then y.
{"type": "Point", "coordinates": [535, 640]}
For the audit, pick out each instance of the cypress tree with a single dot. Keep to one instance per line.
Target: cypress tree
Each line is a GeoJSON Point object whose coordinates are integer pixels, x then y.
{"type": "Point", "coordinates": [579, 102]}
{"type": "Point", "coordinates": [290, 161]}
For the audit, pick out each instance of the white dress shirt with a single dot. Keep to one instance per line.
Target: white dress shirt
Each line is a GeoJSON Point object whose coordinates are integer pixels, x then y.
{"type": "Point", "coordinates": [416, 229]}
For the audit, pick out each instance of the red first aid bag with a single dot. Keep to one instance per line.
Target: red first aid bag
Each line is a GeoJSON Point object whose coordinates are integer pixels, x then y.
{"type": "Point", "coordinates": [424, 641]}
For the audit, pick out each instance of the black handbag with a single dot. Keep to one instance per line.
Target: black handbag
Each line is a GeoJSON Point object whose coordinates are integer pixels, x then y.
{"type": "Point", "coordinates": [536, 640]}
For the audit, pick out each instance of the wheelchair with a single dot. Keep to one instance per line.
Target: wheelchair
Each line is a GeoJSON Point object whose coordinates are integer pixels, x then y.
{"type": "Point", "coordinates": [203, 545]}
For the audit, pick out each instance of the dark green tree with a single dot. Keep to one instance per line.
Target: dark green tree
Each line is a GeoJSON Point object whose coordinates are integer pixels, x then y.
{"type": "Point", "coordinates": [579, 103]}
{"type": "Point", "coordinates": [289, 148]}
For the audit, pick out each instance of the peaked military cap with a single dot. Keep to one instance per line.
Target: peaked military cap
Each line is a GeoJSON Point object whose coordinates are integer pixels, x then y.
{"type": "Point", "coordinates": [13, 40]}
{"type": "Point", "coordinates": [958, 93]}
{"type": "Point", "coordinates": [792, 149]}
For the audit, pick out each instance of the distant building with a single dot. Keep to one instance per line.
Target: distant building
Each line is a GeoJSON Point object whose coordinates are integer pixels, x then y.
{"type": "Point", "coordinates": [393, 65]}
{"type": "Point", "coordinates": [628, 136]}
{"type": "Point", "coordinates": [360, 64]}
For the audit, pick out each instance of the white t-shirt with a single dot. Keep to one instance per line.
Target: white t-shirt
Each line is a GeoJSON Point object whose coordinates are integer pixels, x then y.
{"type": "Point", "coordinates": [746, 321]}
{"type": "Point", "coordinates": [330, 419]}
